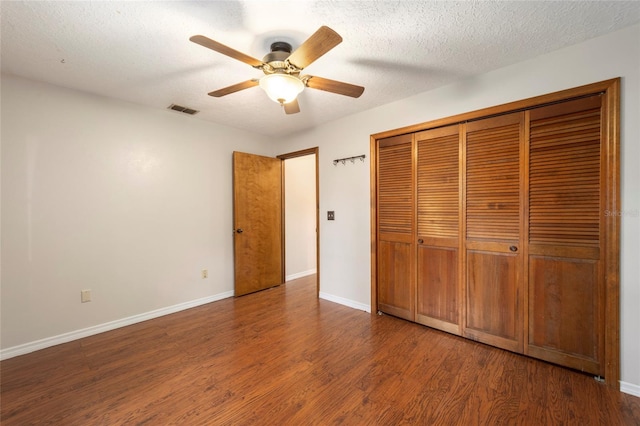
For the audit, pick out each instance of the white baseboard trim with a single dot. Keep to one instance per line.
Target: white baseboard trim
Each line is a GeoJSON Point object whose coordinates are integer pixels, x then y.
{"type": "Point", "coordinates": [630, 388]}
{"type": "Point", "coordinates": [346, 302]}
{"type": "Point", "coordinates": [300, 274]}
{"type": "Point", "coordinates": [112, 325]}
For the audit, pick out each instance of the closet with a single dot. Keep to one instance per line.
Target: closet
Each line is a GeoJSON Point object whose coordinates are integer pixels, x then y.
{"type": "Point", "coordinates": [491, 225]}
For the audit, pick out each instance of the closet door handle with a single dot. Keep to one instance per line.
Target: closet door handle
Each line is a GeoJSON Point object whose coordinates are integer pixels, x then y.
{"type": "Point", "coordinates": [420, 241]}
{"type": "Point", "coordinates": [513, 248]}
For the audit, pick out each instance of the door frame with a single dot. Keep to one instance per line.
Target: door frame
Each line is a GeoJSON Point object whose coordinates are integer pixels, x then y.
{"type": "Point", "coordinates": [610, 90]}
{"type": "Point", "coordinates": [287, 156]}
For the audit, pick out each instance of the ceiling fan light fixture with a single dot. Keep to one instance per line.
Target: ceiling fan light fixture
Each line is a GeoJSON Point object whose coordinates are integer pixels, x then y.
{"type": "Point", "coordinates": [282, 81]}
{"type": "Point", "coordinates": [281, 88]}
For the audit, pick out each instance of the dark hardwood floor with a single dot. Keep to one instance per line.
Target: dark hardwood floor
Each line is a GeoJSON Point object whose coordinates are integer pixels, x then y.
{"type": "Point", "coordinates": [283, 357]}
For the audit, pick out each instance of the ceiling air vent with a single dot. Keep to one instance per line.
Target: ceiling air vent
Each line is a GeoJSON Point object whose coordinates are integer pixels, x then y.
{"type": "Point", "coordinates": [185, 110]}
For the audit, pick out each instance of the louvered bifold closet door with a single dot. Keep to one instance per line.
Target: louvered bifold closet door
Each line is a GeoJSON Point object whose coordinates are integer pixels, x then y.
{"type": "Point", "coordinates": [566, 282]}
{"type": "Point", "coordinates": [396, 224]}
{"type": "Point", "coordinates": [493, 188]}
{"type": "Point", "coordinates": [438, 176]}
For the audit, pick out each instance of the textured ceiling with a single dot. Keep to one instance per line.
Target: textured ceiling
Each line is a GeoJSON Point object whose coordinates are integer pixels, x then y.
{"type": "Point", "coordinates": [140, 51]}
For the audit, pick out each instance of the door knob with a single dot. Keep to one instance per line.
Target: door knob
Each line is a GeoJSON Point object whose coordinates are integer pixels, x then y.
{"type": "Point", "coordinates": [513, 248]}
{"type": "Point", "coordinates": [420, 241]}
{"type": "Point", "coordinates": [239, 231]}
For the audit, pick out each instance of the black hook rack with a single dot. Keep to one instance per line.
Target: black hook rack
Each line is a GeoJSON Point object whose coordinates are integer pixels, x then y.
{"type": "Point", "coordinates": [352, 159]}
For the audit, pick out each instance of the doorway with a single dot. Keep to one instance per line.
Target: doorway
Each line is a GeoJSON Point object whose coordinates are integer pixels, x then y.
{"type": "Point", "coordinates": [300, 211]}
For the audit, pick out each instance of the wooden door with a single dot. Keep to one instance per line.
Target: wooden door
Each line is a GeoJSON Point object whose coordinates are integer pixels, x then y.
{"type": "Point", "coordinates": [438, 223]}
{"type": "Point", "coordinates": [493, 187]}
{"type": "Point", "coordinates": [539, 227]}
{"type": "Point", "coordinates": [257, 214]}
{"type": "Point", "coordinates": [566, 278]}
{"type": "Point", "coordinates": [396, 217]}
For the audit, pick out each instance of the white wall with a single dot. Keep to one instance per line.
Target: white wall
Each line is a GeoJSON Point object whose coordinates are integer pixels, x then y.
{"type": "Point", "coordinates": [300, 216]}
{"type": "Point", "coordinates": [99, 194]}
{"type": "Point", "coordinates": [345, 243]}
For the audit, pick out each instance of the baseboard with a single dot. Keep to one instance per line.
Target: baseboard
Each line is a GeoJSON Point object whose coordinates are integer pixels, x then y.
{"type": "Point", "coordinates": [101, 328]}
{"type": "Point", "coordinates": [300, 274]}
{"type": "Point", "coordinates": [346, 302]}
{"type": "Point", "coordinates": [630, 388]}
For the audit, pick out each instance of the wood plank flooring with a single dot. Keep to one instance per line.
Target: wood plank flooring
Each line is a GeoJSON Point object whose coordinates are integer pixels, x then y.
{"type": "Point", "coordinates": [284, 357]}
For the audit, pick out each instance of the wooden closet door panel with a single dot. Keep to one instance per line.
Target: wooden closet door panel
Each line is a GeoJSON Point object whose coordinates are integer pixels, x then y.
{"type": "Point", "coordinates": [492, 298]}
{"type": "Point", "coordinates": [438, 223]}
{"type": "Point", "coordinates": [566, 282]}
{"type": "Point", "coordinates": [493, 191]}
{"type": "Point", "coordinates": [394, 294]}
{"type": "Point", "coordinates": [563, 319]}
{"type": "Point", "coordinates": [396, 224]}
{"type": "Point", "coordinates": [438, 182]}
{"type": "Point", "coordinates": [493, 178]}
{"type": "Point", "coordinates": [438, 288]}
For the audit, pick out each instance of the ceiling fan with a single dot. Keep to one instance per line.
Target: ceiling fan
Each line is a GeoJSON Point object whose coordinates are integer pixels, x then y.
{"type": "Point", "coordinates": [282, 80]}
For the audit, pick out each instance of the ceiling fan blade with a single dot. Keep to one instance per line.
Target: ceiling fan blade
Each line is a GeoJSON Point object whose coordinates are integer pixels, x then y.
{"type": "Point", "coordinates": [334, 86]}
{"type": "Point", "coordinates": [226, 50]}
{"type": "Point", "coordinates": [315, 46]}
{"type": "Point", "coordinates": [292, 107]}
{"type": "Point", "coordinates": [234, 88]}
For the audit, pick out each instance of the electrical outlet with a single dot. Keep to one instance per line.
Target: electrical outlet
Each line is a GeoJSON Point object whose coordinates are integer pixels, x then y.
{"type": "Point", "coordinates": [85, 296]}
{"type": "Point", "coordinates": [331, 215]}
{"type": "Point", "coordinates": [205, 273]}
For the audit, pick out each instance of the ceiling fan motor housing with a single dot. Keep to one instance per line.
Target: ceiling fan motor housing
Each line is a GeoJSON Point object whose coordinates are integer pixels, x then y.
{"type": "Point", "coordinates": [281, 46]}
{"type": "Point", "coordinates": [280, 51]}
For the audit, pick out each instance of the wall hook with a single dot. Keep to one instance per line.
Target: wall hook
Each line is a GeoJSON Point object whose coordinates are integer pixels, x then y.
{"type": "Point", "coordinates": [352, 159]}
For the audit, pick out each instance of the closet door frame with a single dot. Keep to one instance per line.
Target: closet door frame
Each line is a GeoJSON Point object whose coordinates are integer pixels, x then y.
{"type": "Point", "coordinates": [610, 91]}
